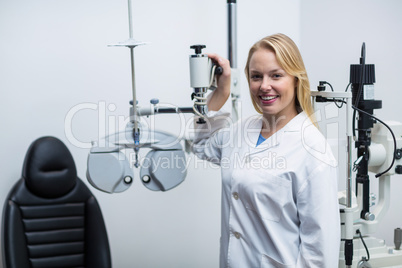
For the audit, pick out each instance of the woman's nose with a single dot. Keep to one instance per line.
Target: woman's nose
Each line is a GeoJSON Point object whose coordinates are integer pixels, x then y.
{"type": "Point", "coordinates": [265, 84]}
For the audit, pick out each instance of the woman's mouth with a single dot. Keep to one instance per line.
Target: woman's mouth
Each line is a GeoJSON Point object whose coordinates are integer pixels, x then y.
{"type": "Point", "coordinates": [269, 99]}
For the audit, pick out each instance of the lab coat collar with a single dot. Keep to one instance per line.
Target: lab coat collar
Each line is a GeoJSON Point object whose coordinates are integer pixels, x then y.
{"type": "Point", "coordinates": [295, 125]}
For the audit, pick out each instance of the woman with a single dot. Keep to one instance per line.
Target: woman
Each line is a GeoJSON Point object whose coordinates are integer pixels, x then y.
{"type": "Point", "coordinates": [279, 177]}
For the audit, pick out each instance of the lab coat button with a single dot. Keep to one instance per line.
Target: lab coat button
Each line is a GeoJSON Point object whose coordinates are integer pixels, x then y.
{"type": "Point", "coordinates": [235, 195]}
{"type": "Point", "coordinates": [237, 235]}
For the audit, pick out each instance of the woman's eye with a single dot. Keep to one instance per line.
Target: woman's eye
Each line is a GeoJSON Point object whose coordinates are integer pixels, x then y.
{"type": "Point", "coordinates": [276, 75]}
{"type": "Point", "coordinates": [255, 76]}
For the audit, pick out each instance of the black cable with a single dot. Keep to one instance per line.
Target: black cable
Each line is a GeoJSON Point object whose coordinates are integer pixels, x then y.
{"type": "Point", "coordinates": [346, 90]}
{"type": "Point", "coordinates": [336, 100]}
{"type": "Point", "coordinates": [332, 89]}
{"type": "Point", "coordinates": [393, 136]}
{"type": "Point", "coordinates": [357, 109]}
{"type": "Point", "coordinates": [390, 130]}
{"type": "Point", "coordinates": [364, 244]}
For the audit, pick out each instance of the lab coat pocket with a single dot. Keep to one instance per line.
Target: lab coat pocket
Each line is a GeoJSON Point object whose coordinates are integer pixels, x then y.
{"type": "Point", "coordinates": [265, 194]}
{"type": "Point", "coordinates": [268, 262]}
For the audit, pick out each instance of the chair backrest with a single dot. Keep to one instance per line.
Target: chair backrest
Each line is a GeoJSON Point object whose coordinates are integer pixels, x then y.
{"type": "Point", "coordinates": [50, 217]}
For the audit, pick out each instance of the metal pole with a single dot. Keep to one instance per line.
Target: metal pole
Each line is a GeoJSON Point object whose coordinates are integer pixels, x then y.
{"type": "Point", "coordinates": [232, 57]}
{"type": "Point", "coordinates": [348, 249]}
{"type": "Point", "coordinates": [130, 24]}
{"type": "Point", "coordinates": [136, 131]}
{"type": "Point", "coordinates": [133, 88]}
{"type": "Point", "coordinates": [130, 21]}
{"type": "Point", "coordinates": [349, 131]}
{"type": "Point", "coordinates": [232, 33]}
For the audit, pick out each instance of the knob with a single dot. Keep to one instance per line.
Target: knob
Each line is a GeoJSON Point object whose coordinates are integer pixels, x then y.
{"type": "Point", "coordinates": [154, 101]}
{"type": "Point", "coordinates": [218, 70]}
{"type": "Point", "coordinates": [398, 154]}
{"type": "Point", "coordinates": [198, 48]}
{"type": "Point", "coordinates": [369, 216]}
{"type": "Point", "coordinates": [128, 180]}
{"type": "Point", "coordinates": [146, 179]}
{"type": "Point", "coordinates": [398, 169]}
{"type": "Point", "coordinates": [398, 238]}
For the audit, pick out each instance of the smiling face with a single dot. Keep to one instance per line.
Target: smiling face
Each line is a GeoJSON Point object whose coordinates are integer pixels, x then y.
{"type": "Point", "coordinates": [272, 89]}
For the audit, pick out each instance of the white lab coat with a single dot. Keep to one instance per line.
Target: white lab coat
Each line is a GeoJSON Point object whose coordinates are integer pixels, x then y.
{"type": "Point", "coordinates": [279, 199]}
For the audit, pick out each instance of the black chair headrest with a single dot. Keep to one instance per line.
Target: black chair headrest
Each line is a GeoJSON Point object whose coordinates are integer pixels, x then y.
{"type": "Point", "coordinates": [49, 169]}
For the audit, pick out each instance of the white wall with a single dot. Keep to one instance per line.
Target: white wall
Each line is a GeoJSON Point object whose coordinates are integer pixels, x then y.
{"type": "Point", "coordinates": [332, 33]}
{"type": "Point", "coordinates": [54, 56]}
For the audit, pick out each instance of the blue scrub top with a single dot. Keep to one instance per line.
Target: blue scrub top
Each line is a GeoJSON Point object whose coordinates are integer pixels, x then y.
{"type": "Point", "coordinates": [261, 139]}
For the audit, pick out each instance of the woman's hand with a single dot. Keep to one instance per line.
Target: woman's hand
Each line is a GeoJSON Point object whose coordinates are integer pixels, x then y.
{"type": "Point", "coordinates": [222, 92]}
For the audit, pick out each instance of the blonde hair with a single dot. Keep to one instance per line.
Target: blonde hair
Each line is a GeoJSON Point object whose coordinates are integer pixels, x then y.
{"type": "Point", "coordinates": [290, 59]}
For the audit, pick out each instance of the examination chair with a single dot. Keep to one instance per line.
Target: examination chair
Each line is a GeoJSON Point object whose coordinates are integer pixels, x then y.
{"type": "Point", "coordinates": [50, 217]}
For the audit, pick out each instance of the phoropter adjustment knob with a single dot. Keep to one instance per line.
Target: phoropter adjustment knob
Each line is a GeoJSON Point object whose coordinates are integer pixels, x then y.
{"type": "Point", "coordinates": [198, 48]}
